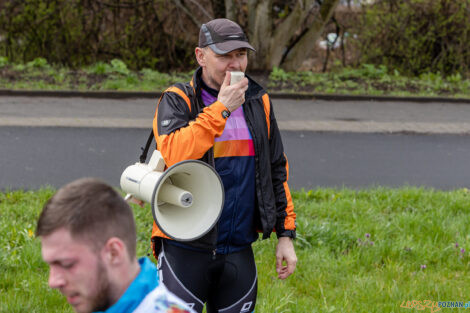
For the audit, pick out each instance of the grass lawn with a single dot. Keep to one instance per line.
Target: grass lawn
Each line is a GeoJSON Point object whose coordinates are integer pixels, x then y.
{"type": "Point", "coordinates": [364, 80]}
{"type": "Point", "coordinates": [359, 251]}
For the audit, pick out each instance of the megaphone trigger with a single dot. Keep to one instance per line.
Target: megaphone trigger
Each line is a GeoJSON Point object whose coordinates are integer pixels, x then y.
{"type": "Point", "coordinates": [131, 199]}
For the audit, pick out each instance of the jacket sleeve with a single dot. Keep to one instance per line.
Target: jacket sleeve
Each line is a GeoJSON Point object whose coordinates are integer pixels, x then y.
{"type": "Point", "coordinates": [285, 216]}
{"type": "Point", "coordinates": [178, 136]}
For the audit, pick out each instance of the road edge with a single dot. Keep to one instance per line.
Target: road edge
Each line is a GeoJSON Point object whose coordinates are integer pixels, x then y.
{"type": "Point", "coordinates": [273, 95]}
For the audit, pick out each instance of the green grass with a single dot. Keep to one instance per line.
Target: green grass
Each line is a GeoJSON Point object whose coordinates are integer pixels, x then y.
{"type": "Point", "coordinates": [370, 80]}
{"type": "Point", "coordinates": [39, 75]}
{"type": "Point", "coordinates": [358, 251]}
{"type": "Point", "coordinates": [115, 75]}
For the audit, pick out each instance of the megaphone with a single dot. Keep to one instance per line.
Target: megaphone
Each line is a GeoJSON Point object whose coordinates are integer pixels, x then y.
{"type": "Point", "coordinates": [186, 199]}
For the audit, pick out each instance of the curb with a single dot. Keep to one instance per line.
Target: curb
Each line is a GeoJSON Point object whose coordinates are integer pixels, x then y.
{"type": "Point", "coordinates": [365, 127]}
{"type": "Point", "coordinates": [80, 94]}
{"type": "Point", "coordinates": [273, 95]}
{"type": "Point", "coordinates": [336, 97]}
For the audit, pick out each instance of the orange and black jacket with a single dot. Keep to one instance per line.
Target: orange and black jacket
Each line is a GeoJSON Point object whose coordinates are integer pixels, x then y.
{"type": "Point", "coordinates": [185, 128]}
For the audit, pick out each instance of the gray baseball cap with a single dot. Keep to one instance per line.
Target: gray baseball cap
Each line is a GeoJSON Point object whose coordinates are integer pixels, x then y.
{"type": "Point", "coordinates": [222, 36]}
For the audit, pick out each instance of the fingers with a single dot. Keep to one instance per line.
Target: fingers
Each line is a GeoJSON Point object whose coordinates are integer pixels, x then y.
{"type": "Point", "coordinates": [232, 96]}
{"type": "Point", "coordinates": [284, 271]}
{"type": "Point", "coordinates": [282, 274]}
{"type": "Point", "coordinates": [226, 81]}
{"type": "Point", "coordinates": [131, 199]}
{"type": "Point", "coordinates": [285, 253]}
{"type": "Point", "coordinates": [279, 266]}
{"type": "Point", "coordinates": [291, 266]}
{"type": "Point", "coordinates": [242, 84]}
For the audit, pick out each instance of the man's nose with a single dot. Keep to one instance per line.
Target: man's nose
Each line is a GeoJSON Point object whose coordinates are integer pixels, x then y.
{"type": "Point", "coordinates": [56, 279]}
{"type": "Point", "coordinates": [234, 64]}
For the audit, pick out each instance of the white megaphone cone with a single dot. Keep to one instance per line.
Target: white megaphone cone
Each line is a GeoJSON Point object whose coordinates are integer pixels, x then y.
{"type": "Point", "coordinates": [186, 199]}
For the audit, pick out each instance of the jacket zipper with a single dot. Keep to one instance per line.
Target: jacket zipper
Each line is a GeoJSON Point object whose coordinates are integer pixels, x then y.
{"type": "Point", "coordinates": [259, 191]}
{"type": "Point", "coordinates": [199, 105]}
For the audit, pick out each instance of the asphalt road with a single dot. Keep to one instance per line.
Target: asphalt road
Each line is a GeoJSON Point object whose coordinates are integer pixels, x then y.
{"type": "Point", "coordinates": [34, 157]}
{"type": "Point", "coordinates": [294, 115]}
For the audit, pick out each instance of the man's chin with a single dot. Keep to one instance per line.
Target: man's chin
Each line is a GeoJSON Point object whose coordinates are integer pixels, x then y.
{"type": "Point", "coordinates": [79, 306]}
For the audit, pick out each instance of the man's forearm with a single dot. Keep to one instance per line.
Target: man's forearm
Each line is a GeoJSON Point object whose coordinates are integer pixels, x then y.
{"type": "Point", "coordinates": [193, 140]}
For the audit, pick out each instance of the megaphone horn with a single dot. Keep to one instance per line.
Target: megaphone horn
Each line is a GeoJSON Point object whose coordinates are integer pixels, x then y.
{"type": "Point", "coordinates": [186, 199]}
{"type": "Point", "coordinates": [176, 196]}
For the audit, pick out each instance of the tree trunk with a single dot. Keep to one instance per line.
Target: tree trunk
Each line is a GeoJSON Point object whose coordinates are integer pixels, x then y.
{"type": "Point", "coordinates": [218, 7]}
{"type": "Point", "coordinates": [304, 47]}
{"type": "Point", "coordinates": [230, 10]}
{"type": "Point", "coordinates": [260, 30]}
{"type": "Point", "coordinates": [286, 31]}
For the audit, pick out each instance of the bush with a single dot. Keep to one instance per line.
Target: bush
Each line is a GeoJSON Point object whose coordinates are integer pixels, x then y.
{"type": "Point", "coordinates": [417, 36]}
{"type": "Point", "coordinates": [76, 33]}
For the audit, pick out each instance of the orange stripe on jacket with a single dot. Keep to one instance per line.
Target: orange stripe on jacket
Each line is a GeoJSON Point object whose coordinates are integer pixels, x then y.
{"type": "Point", "coordinates": [181, 94]}
{"type": "Point", "coordinates": [267, 110]}
{"type": "Point", "coordinates": [289, 222]}
{"type": "Point", "coordinates": [156, 232]}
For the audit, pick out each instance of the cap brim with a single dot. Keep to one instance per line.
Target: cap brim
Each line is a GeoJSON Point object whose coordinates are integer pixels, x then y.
{"type": "Point", "coordinates": [228, 46]}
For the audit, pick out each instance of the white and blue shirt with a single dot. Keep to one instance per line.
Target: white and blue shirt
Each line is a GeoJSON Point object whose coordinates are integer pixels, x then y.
{"type": "Point", "coordinates": [145, 294]}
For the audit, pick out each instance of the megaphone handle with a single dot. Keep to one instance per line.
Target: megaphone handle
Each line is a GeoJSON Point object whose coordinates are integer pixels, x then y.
{"type": "Point", "coordinates": [130, 198]}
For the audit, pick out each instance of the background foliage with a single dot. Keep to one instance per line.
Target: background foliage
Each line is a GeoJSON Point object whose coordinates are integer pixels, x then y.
{"type": "Point", "coordinates": [417, 36]}
{"type": "Point", "coordinates": [82, 32]}
{"type": "Point", "coordinates": [409, 36]}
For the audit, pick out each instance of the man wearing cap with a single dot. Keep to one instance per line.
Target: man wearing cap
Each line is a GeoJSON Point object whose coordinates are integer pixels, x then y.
{"type": "Point", "coordinates": [231, 127]}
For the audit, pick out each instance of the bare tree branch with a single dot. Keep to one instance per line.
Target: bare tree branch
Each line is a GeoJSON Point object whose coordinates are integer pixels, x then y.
{"type": "Point", "coordinates": [196, 3]}
{"type": "Point", "coordinates": [124, 5]}
{"type": "Point", "coordinates": [186, 11]}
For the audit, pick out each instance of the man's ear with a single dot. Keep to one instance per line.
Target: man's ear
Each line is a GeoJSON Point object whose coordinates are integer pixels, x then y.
{"type": "Point", "coordinates": [200, 56]}
{"type": "Point", "coordinates": [114, 251]}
